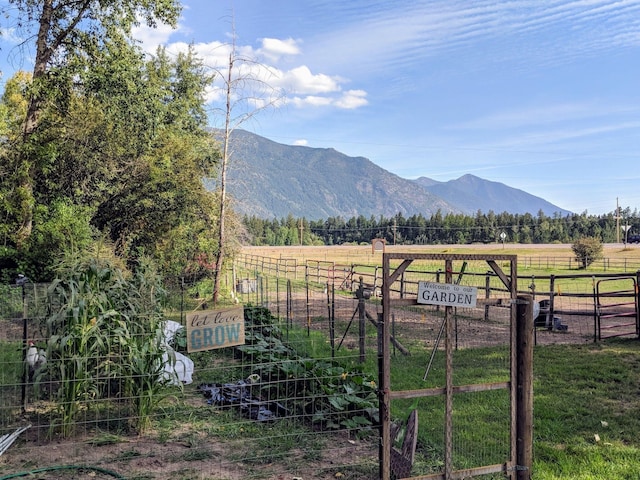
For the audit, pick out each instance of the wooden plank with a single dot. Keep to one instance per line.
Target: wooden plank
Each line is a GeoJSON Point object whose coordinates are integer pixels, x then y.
{"type": "Point", "coordinates": [462, 474]}
{"type": "Point", "coordinates": [524, 387]}
{"type": "Point", "coordinates": [498, 271]}
{"type": "Point", "coordinates": [402, 461]}
{"type": "Point", "coordinates": [437, 391]}
{"type": "Point", "coordinates": [399, 271]}
{"type": "Point", "coordinates": [448, 256]}
{"type": "Point", "coordinates": [384, 374]}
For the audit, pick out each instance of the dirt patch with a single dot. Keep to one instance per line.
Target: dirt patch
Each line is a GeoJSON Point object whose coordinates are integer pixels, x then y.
{"type": "Point", "coordinates": [146, 458]}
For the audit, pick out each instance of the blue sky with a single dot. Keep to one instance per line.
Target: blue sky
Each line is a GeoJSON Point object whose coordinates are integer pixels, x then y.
{"type": "Point", "coordinates": [541, 95]}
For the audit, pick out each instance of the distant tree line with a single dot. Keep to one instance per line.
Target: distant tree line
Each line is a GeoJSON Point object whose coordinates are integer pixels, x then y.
{"type": "Point", "coordinates": [442, 229]}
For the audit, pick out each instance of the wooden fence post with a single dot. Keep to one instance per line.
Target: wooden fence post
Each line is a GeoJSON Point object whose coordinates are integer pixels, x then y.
{"type": "Point", "coordinates": [524, 392]}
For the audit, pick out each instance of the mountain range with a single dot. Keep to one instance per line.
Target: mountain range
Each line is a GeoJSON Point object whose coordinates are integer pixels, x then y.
{"type": "Point", "coordinates": [270, 180]}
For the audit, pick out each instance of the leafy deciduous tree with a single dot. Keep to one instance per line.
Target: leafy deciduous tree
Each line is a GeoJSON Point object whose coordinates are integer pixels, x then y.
{"type": "Point", "coordinates": [64, 29]}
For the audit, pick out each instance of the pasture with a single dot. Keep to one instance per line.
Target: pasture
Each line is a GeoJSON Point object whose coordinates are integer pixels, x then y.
{"type": "Point", "coordinates": [534, 254]}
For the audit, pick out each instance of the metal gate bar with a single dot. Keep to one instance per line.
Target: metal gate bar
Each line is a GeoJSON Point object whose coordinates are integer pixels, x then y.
{"type": "Point", "coordinates": [622, 310]}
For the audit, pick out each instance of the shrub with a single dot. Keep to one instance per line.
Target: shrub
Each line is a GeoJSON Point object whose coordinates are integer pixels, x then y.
{"type": "Point", "coordinates": [587, 250]}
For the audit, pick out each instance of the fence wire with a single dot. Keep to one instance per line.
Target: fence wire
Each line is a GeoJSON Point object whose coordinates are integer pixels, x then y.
{"type": "Point", "coordinates": [256, 414]}
{"type": "Point", "coordinates": [282, 405]}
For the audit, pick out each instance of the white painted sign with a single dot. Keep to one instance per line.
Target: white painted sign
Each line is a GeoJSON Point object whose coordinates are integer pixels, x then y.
{"type": "Point", "coordinates": [432, 293]}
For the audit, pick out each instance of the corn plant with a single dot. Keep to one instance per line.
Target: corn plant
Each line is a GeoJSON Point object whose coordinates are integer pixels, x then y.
{"type": "Point", "coordinates": [105, 339]}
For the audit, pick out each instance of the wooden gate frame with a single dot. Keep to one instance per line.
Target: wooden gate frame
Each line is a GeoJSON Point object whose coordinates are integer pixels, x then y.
{"type": "Point", "coordinates": [520, 385]}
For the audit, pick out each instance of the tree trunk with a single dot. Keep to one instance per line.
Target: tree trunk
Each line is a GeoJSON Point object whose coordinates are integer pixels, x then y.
{"type": "Point", "coordinates": [223, 185]}
{"type": "Point", "coordinates": [26, 177]}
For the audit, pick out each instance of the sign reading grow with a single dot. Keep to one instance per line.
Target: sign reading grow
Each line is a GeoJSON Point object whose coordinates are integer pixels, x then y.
{"type": "Point", "coordinates": [432, 293]}
{"type": "Point", "coordinates": [212, 329]}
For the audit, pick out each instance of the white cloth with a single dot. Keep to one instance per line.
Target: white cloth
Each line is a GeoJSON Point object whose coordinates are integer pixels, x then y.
{"type": "Point", "coordinates": [180, 372]}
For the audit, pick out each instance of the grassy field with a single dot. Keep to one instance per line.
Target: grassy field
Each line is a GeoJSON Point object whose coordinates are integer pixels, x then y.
{"type": "Point", "coordinates": [348, 253]}
{"type": "Point", "coordinates": [586, 420]}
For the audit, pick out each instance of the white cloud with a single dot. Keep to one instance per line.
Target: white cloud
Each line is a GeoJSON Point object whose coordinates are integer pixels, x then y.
{"type": "Point", "coordinates": [390, 35]}
{"type": "Point", "coordinates": [299, 85]}
{"type": "Point", "coordinates": [546, 115]}
{"type": "Point", "coordinates": [301, 142]}
{"type": "Point", "coordinates": [348, 100]}
{"type": "Point", "coordinates": [151, 38]}
{"type": "Point", "coordinates": [311, 101]}
{"type": "Point", "coordinates": [264, 81]}
{"type": "Point", "coordinates": [10, 35]}
{"type": "Point", "coordinates": [274, 48]}
{"type": "Point", "coordinates": [352, 99]}
{"type": "Point", "coordinates": [301, 80]}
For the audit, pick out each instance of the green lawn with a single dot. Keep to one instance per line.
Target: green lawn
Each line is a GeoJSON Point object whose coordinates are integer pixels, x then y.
{"type": "Point", "coordinates": [586, 409]}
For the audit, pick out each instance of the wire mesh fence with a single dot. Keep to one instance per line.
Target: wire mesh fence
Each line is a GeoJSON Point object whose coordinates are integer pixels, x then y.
{"type": "Point", "coordinates": [568, 311]}
{"type": "Point", "coordinates": [285, 403]}
{"type": "Point", "coordinates": [299, 398]}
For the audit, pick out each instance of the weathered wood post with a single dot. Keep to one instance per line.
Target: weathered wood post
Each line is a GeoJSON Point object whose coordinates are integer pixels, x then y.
{"type": "Point", "coordinates": [637, 300]}
{"type": "Point", "coordinates": [524, 392]}
{"type": "Point", "coordinates": [487, 293]}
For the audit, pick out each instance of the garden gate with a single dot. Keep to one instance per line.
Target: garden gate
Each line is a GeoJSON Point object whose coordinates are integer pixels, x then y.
{"type": "Point", "coordinates": [617, 309]}
{"type": "Point", "coordinates": [515, 462]}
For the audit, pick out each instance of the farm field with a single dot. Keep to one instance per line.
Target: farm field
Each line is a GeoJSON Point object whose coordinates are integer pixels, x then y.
{"type": "Point", "coordinates": [363, 253]}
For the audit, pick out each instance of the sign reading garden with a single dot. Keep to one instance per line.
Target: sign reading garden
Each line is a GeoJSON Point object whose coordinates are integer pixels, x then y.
{"type": "Point", "coordinates": [432, 293]}
{"type": "Point", "coordinates": [212, 329]}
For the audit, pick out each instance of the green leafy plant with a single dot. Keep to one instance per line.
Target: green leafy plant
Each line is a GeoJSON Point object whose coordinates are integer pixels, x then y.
{"type": "Point", "coordinates": [587, 250]}
{"type": "Point", "coordinates": [324, 391]}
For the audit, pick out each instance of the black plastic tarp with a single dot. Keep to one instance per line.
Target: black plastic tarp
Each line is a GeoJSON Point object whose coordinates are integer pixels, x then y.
{"type": "Point", "coordinates": [238, 395]}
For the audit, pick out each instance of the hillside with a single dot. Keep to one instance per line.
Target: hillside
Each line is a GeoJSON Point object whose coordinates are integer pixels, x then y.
{"type": "Point", "coordinates": [272, 180]}
{"type": "Point", "coordinates": [470, 194]}
{"type": "Point", "coordinates": [267, 179]}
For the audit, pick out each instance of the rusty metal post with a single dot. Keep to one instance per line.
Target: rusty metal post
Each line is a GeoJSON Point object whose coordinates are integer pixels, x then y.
{"type": "Point", "coordinates": [361, 321]}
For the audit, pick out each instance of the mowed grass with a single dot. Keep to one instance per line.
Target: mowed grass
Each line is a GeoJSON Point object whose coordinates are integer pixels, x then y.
{"type": "Point", "coordinates": [586, 408]}
{"type": "Point", "coordinates": [587, 411]}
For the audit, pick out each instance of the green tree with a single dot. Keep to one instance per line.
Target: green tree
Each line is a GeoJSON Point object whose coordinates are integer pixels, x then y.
{"type": "Point", "coordinates": [127, 145]}
{"type": "Point", "coordinates": [64, 31]}
{"type": "Point", "coordinates": [587, 250]}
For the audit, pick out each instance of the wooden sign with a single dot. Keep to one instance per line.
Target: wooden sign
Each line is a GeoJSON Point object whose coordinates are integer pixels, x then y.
{"type": "Point", "coordinates": [432, 293]}
{"type": "Point", "coordinates": [211, 329]}
{"type": "Point", "coordinates": [377, 245]}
